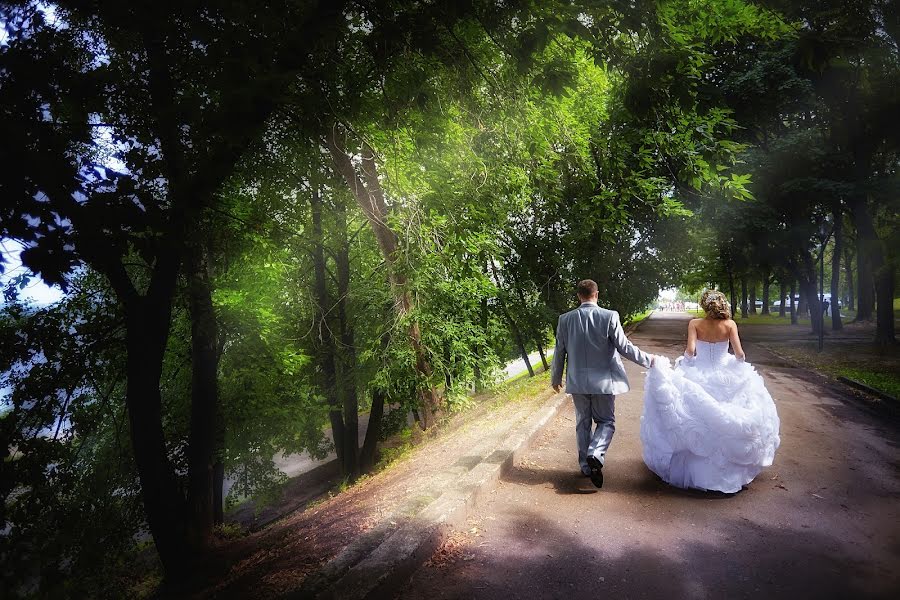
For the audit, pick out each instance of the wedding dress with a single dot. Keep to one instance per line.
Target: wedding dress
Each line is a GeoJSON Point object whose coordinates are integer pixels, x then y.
{"type": "Point", "coordinates": [708, 423]}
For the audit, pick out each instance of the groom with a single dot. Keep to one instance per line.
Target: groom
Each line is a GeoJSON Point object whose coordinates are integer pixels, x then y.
{"type": "Point", "coordinates": [590, 337]}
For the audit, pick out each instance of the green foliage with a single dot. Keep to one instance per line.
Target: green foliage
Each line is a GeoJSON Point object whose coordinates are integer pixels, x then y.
{"type": "Point", "coordinates": [71, 508]}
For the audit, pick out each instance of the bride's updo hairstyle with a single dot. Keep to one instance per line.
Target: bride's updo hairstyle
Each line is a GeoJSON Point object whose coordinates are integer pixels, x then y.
{"type": "Point", "coordinates": [715, 304]}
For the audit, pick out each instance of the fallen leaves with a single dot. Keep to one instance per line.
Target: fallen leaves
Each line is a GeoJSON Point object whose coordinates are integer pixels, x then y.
{"type": "Point", "coordinates": [456, 547]}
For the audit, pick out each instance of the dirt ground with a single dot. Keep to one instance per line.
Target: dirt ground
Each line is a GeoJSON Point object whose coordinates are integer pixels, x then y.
{"type": "Point", "coordinates": [822, 522]}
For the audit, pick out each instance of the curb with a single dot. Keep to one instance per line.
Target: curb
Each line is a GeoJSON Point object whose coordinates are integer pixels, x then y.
{"type": "Point", "coordinates": [868, 389]}
{"type": "Point", "coordinates": [856, 390]}
{"type": "Point", "coordinates": [362, 572]}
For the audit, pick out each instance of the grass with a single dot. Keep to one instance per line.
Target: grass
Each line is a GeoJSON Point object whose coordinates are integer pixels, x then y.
{"type": "Point", "coordinates": [876, 367]}
{"type": "Point", "coordinates": [770, 319]}
{"type": "Point", "coordinates": [522, 387]}
{"type": "Point", "coordinates": [888, 383]}
{"type": "Point", "coordinates": [638, 317]}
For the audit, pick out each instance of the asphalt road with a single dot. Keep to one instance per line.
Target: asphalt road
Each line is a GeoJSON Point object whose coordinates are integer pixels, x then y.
{"type": "Point", "coordinates": [822, 522]}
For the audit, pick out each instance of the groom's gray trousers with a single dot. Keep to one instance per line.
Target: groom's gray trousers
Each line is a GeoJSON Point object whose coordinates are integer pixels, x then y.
{"type": "Point", "coordinates": [599, 410]}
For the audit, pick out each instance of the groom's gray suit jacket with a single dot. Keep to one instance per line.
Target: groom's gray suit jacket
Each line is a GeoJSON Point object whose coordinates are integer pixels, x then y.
{"type": "Point", "coordinates": [590, 338]}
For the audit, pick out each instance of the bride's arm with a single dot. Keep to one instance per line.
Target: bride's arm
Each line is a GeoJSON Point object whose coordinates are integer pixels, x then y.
{"type": "Point", "coordinates": [691, 349]}
{"type": "Point", "coordinates": [735, 340]}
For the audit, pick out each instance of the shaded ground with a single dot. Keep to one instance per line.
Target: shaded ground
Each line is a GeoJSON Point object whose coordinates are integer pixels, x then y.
{"type": "Point", "coordinates": [280, 557]}
{"type": "Point", "coordinates": [823, 521]}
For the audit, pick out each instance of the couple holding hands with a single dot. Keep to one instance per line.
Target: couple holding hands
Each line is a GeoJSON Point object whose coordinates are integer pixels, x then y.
{"type": "Point", "coordinates": [708, 423]}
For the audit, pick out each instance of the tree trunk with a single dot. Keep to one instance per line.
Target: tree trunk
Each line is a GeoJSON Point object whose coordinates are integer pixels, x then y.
{"type": "Point", "coordinates": [865, 298]}
{"type": "Point", "coordinates": [479, 376]}
{"type": "Point", "coordinates": [782, 293]}
{"type": "Point", "coordinates": [540, 348]}
{"type": "Point", "coordinates": [519, 342]}
{"type": "Point", "coordinates": [370, 197]}
{"type": "Point", "coordinates": [482, 351]}
{"type": "Point", "coordinates": [752, 307]}
{"type": "Point", "coordinates": [325, 347]}
{"type": "Point", "coordinates": [881, 271]}
{"type": "Point", "coordinates": [885, 335]}
{"type": "Point", "coordinates": [744, 297]}
{"type": "Point", "coordinates": [147, 329]}
{"type": "Point", "coordinates": [348, 351]}
{"type": "Point", "coordinates": [219, 461]}
{"type": "Point", "coordinates": [848, 267]}
{"type": "Point", "coordinates": [836, 253]}
{"type": "Point", "coordinates": [808, 289]}
{"type": "Point", "coordinates": [794, 308]}
{"type": "Point", "coordinates": [204, 401]}
{"type": "Point", "coordinates": [767, 283]}
{"type": "Point", "coordinates": [373, 432]}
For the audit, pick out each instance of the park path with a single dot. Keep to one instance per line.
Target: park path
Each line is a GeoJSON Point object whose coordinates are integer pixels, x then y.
{"type": "Point", "coordinates": [822, 522]}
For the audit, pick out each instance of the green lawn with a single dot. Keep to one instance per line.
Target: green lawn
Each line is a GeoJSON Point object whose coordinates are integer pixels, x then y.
{"type": "Point", "coordinates": [770, 319]}
{"type": "Point", "coordinates": [888, 383]}
{"type": "Point", "coordinates": [638, 317]}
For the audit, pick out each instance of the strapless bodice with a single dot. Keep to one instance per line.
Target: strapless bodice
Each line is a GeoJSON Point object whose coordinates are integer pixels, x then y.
{"type": "Point", "coordinates": [711, 353]}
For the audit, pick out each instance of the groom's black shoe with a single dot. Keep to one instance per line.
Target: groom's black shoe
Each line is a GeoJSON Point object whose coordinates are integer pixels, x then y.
{"type": "Point", "coordinates": [596, 471]}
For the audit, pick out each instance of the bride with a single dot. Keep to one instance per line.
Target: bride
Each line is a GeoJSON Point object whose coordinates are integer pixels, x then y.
{"type": "Point", "coordinates": [709, 423]}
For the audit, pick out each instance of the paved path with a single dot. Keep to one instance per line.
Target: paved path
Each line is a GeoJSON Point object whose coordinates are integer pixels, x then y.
{"type": "Point", "coordinates": [822, 522]}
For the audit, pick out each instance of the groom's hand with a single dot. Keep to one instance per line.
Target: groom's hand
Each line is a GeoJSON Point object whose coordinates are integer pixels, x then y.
{"type": "Point", "coordinates": [557, 387]}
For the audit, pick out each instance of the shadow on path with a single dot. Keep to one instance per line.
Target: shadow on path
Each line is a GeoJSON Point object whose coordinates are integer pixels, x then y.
{"type": "Point", "coordinates": [544, 560]}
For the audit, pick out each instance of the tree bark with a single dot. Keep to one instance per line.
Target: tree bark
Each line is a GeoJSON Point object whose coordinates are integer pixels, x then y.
{"type": "Point", "coordinates": [808, 289]}
{"type": "Point", "coordinates": [744, 297]}
{"type": "Point", "coordinates": [370, 197]}
{"type": "Point", "coordinates": [348, 351]}
{"type": "Point", "coordinates": [219, 460]}
{"type": "Point", "coordinates": [848, 267]}
{"type": "Point", "coordinates": [373, 432]}
{"type": "Point", "coordinates": [325, 347]}
{"type": "Point", "coordinates": [885, 334]}
{"type": "Point", "coordinates": [147, 330]}
{"type": "Point", "coordinates": [752, 300]}
{"type": "Point", "coordinates": [836, 253]}
{"type": "Point", "coordinates": [767, 283]}
{"type": "Point", "coordinates": [540, 348]}
{"type": "Point", "coordinates": [865, 298]}
{"type": "Point", "coordinates": [204, 401]}
{"type": "Point", "coordinates": [482, 352]}
{"type": "Point", "coordinates": [881, 272]}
